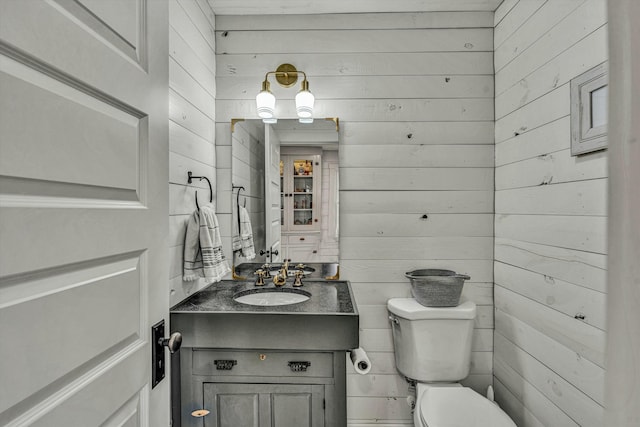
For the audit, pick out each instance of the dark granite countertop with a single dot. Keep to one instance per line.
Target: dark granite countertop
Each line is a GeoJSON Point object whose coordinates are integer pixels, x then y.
{"type": "Point", "coordinates": [333, 297]}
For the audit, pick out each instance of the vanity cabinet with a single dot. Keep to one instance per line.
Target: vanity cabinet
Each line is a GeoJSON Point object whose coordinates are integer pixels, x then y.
{"type": "Point", "coordinates": [265, 388]}
{"type": "Point", "coordinates": [264, 365]}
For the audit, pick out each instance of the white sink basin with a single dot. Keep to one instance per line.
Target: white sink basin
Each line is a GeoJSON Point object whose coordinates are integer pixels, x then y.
{"type": "Point", "coordinates": [272, 296]}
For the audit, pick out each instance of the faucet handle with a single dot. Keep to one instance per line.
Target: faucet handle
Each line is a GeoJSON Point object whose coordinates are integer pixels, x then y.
{"type": "Point", "coordinates": [298, 281]}
{"type": "Point", "coordinates": [261, 275]}
{"type": "Point", "coordinates": [300, 266]}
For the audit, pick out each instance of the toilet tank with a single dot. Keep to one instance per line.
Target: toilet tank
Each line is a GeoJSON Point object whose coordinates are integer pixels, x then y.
{"type": "Point", "coordinates": [432, 343]}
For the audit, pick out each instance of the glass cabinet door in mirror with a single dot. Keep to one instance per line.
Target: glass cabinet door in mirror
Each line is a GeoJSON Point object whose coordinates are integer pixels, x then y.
{"type": "Point", "coordinates": [290, 173]}
{"type": "Point", "coordinates": [300, 208]}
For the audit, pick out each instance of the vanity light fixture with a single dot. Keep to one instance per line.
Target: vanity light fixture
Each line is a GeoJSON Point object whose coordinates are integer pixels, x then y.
{"type": "Point", "coordinates": [286, 75]}
{"type": "Point", "coordinates": [266, 102]}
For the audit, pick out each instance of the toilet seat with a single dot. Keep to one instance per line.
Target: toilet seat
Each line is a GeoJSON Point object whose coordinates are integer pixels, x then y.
{"type": "Point", "coordinates": [459, 407]}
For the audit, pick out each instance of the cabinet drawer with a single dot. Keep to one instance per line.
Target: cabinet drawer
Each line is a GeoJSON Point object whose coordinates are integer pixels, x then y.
{"type": "Point", "coordinates": [262, 363]}
{"type": "Point", "coordinates": [307, 239]}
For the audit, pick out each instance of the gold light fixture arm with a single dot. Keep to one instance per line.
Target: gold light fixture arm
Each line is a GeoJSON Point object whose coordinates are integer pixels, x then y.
{"type": "Point", "coordinates": [286, 75]}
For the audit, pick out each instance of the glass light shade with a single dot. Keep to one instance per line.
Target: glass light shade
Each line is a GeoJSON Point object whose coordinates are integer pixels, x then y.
{"type": "Point", "coordinates": [265, 102]}
{"type": "Point", "coordinates": [305, 120]}
{"type": "Point", "coordinates": [270, 121]}
{"type": "Point", "coordinates": [305, 101]}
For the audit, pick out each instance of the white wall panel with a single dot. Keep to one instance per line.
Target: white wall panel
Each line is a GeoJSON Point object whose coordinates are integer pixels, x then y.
{"type": "Point", "coordinates": [550, 226]}
{"type": "Point", "coordinates": [363, 64]}
{"type": "Point", "coordinates": [191, 125]}
{"type": "Point", "coordinates": [414, 94]}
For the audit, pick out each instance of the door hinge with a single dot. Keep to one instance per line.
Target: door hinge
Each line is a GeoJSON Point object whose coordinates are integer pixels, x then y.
{"type": "Point", "coordinates": [324, 403]}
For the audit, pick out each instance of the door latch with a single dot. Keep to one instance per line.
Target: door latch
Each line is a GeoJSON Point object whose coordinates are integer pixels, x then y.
{"type": "Point", "coordinates": [158, 343]}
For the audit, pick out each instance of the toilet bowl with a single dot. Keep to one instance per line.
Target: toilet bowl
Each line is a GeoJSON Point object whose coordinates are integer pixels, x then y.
{"type": "Point", "coordinates": [433, 348]}
{"type": "Point", "coordinates": [452, 405]}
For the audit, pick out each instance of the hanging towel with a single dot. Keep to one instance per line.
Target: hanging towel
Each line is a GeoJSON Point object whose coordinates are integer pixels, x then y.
{"type": "Point", "coordinates": [203, 257]}
{"type": "Point", "coordinates": [246, 234]}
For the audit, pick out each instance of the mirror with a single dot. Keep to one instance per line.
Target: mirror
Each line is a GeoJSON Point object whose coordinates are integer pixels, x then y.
{"type": "Point", "coordinates": [289, 175]}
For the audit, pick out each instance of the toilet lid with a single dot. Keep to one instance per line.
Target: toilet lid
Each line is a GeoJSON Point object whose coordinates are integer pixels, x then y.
{"type": "Point", "coordinates": [460, 407]}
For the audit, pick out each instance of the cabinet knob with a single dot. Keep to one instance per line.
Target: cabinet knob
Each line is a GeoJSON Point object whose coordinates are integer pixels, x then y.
{"type": "Point", "coordinates": [302, 238]}
{"type": "Point", "coordinates": [199, 413]}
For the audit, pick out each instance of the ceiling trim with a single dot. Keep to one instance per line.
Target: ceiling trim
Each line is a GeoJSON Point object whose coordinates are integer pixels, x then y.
{"type": "Point", "coordinates": [306, 7]}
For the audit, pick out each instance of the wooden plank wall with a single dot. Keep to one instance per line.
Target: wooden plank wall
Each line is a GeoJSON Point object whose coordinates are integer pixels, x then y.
{"type": "Point", "coordinates": [192, 90]}
{"type": "Point", "coordinates": [414, 94]}
{"type": "Point", "coordinates": [550, 225]}
{"type": "Point", "coordinates": [329, 250]}
{"type": "Point", "coordinates": [248, 171]}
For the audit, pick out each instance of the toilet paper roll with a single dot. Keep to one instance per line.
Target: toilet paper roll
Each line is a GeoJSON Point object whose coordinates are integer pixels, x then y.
{"type": "Point", "coordinates": [360, 360]}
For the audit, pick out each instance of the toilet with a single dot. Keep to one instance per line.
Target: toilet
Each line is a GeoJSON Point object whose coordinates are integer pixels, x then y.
{"type": "Point", "coordinates": [433, 347]}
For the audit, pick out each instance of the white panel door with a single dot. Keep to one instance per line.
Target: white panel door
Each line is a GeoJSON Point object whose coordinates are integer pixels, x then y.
{"type": "Point", "coordinates": [83, 211]}
{"type": "Point", "coordinates": [272, 209]}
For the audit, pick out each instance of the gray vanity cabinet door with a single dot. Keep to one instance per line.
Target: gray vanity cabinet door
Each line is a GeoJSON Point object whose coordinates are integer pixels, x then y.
{"type": "Point", "coordinates": [263, 405]}
{"type": "Point", "coordinates": [235, 405]}
{"type": "Point", "coordinates": [297, 406]}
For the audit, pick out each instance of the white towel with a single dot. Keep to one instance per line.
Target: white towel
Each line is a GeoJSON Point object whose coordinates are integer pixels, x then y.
{"type": "Point", "coordinates": [203, 257]}
{"type": "Point", "coordinates": [246, 234]}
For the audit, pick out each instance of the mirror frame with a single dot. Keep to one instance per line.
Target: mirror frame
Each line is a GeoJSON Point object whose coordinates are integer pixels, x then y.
{"type": "Point", "coordinates": [233, 123]}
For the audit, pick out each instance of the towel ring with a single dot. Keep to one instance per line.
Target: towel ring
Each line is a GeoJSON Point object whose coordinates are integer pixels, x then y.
{"type": "Point", "coordinates": [239, 188]}
{"type": "Point", "coordinates": [191, 176]}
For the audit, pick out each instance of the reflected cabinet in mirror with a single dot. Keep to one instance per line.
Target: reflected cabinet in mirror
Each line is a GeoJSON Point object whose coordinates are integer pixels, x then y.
{"type": "Point", "coordinates": [286, 177]}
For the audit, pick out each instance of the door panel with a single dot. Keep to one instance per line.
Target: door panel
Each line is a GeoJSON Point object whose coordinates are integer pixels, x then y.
{"type": "Point", "coordinates": [235, 405]}
{"type": "Point", "coordinates": [291, 409]}
{"type": "Point", "coordinates": [54, 151]}
{"type": "Point", "coordinates": [121, 19]}
{"type": "Point", "coordinates": [92, 293]}
{"type": "Point", "coordinates": [83, 211]}
{"type": "Point", "coordinates": [62, 42]}
{"type": "Point", "coordinates": [238, 410]}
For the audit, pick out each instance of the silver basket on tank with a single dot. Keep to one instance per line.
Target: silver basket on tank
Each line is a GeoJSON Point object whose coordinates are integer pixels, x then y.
{"type": "Point", "coordinates": [436, 288]}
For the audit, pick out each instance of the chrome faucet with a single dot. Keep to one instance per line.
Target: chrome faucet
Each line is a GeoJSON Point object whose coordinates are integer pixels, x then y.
{"type": "Point", "coordinates": [281, 277]}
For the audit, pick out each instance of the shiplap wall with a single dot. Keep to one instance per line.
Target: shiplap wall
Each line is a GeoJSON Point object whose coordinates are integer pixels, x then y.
{"type": "Point", "coordinates": [329, 250]}
{"type": "Point", "coordinates": [248, 171]}
{"type": "Point", "coordinates": [192, 90]}
{"type": "Point", "coordinates": [414, 94]}
{"type": "Point", "coordinates": [550, 225]}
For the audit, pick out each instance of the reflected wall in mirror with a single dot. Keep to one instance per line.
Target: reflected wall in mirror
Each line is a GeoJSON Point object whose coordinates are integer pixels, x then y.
{"type": "Point", "coordinates": [289, 172]}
